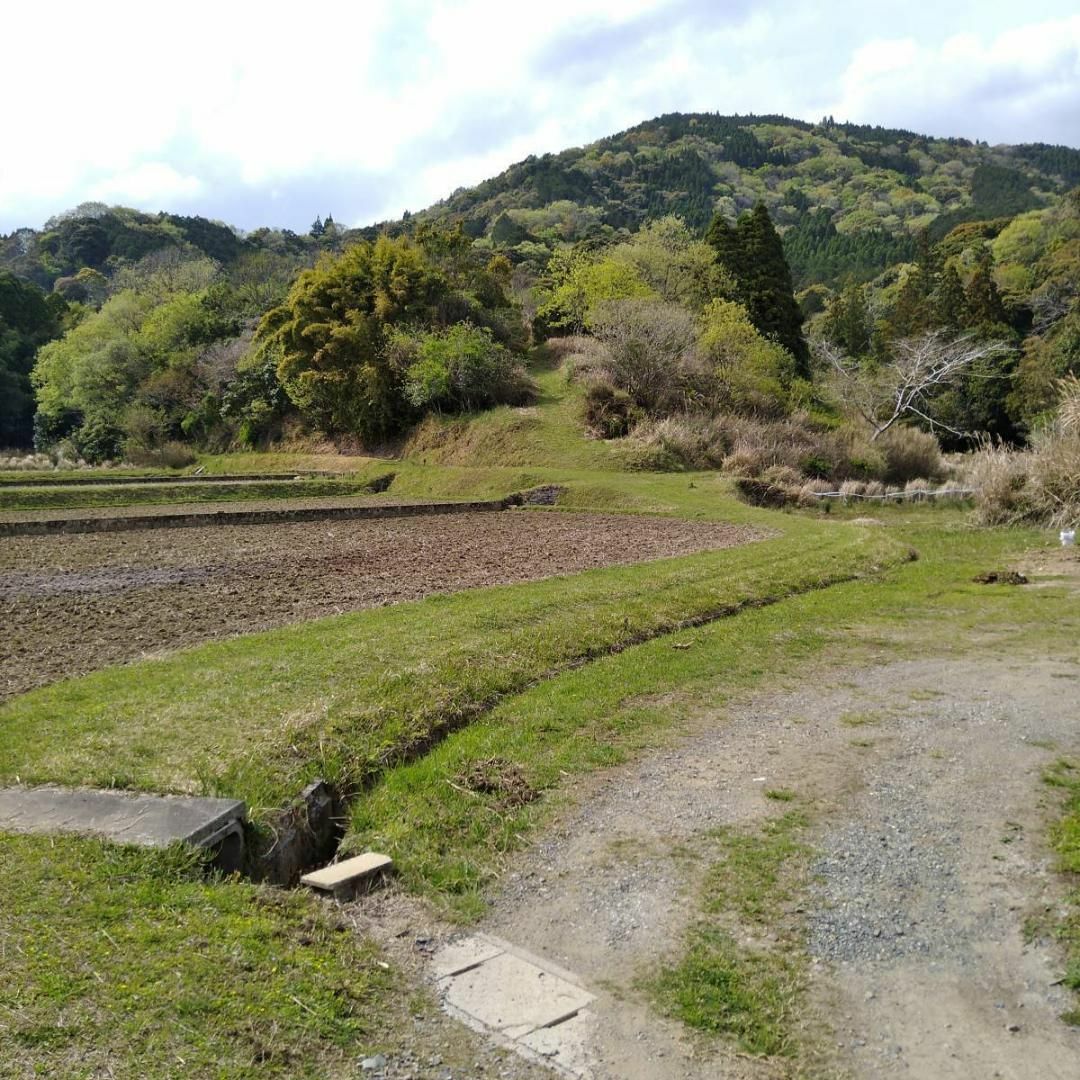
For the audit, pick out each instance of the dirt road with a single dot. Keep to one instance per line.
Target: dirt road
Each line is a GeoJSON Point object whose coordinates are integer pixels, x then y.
{"type": "Point", "coordinates": [929, 860]}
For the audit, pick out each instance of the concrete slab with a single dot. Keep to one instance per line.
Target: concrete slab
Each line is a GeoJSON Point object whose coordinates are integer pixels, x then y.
{"type": "Point", "coordinates": [124, 817]}
{"type": "Point", "coordinates": [519, 1000]}
{"type": "Point", "coordinates": [347, 874]}
{"type": "Point", "coordinates": [464, 954]}
{"type": "Point", "coordinates": [565, 1046]}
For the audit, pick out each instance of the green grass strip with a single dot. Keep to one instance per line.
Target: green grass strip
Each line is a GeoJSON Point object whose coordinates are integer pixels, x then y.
{"type": "Point", "coordinates": [345, 697]}
{"type": "Point", "coordinates": [1065, 841]}
{"type": "Point", "coordinates": [449, 841]}
{"type": "Point", "coordinates": [128, 962]}
{"type": "Point", "coordinates": [67, 498]}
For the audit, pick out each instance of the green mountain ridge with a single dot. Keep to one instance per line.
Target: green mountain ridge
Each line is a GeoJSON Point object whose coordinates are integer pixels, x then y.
{"type": "Point", "coordinates": [847, 198]}
{"type": "Point", "coordinates": [157, 314]}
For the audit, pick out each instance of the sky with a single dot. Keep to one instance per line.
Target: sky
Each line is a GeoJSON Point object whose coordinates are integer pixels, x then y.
{"type": "Point", "coordinates": [273, 113]}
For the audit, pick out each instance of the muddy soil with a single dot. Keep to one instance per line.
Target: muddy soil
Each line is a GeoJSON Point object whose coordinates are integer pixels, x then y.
{"type": "Point", "coordinates": [70, 604]}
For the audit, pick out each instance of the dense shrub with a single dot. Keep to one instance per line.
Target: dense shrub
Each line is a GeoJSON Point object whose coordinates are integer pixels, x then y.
{"type": "Point", "coordinates": [1040, 485]}
{"type": "Point", "coordinates": [650, 345]}
{"type": "Point", "coordinates": [459, 369]}
{"type": "Point", "coordinates": [909, 454]}
{"type": "Point", "coordinates": [610, 413]}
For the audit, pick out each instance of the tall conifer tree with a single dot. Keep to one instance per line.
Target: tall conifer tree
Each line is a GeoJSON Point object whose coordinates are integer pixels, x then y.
{"type": "Point", "coordinates": [754, 254]}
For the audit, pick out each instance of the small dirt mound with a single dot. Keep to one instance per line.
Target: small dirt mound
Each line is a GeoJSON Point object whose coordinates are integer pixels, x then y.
{"type": "Point", "coordinates": [499, 777]}
{"type": "Point", "coordinates": [1000, 577]}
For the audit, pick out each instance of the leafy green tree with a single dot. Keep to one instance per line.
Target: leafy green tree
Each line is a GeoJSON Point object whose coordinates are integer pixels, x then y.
{"type": "Point", "coordinates": [675, 265]}
{"type": "Point", "coordinates": [579, 283]}
{"type": "Point", "coordinates": [338, 358]}
{"type": "Point", "coordinates": [141, 348]}
{"type": "Point", "coordinates": [753, 373]}
{"type": "Point", "coordinates": [330, 334]}
{"type": "Point", "coordinates": [459, 369]}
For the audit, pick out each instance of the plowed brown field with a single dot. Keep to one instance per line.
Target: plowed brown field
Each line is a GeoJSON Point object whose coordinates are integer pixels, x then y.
{"type": "Point", "coordinates": [71, 604]}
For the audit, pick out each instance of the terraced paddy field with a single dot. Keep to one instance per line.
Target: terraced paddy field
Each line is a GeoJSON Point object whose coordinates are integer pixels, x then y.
{"type": "Point", "coordinates": [77, 603]}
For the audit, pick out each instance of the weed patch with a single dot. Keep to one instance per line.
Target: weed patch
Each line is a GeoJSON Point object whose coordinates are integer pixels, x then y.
{"type": "Point", "coordinates": [1064, 775]}
{"type": "Point", "coordinates": [122, 961]}
{"type": "Point", "coordinates": [734, 979]}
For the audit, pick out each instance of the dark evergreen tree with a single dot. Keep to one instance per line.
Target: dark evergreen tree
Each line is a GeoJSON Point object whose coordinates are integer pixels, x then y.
{"type": "Point", "coordinates": [28, 319]}
{"type": "Point", "coordinates": [753, 254]}
{"type": "Point", "coordinates": [765, 280]}
{"type": "Point", "coordinates": [725, 242]}
{"type": "Point", "coordinates": [912, 314]}
{"type": "Point", "coordinates": [950, 300]}
{"type": "Point", "coordinates": [984, 306]}
{"type": "Point", "coordinates": [848, 323]}
{"type": "Point", "coordinates": [317, 227]}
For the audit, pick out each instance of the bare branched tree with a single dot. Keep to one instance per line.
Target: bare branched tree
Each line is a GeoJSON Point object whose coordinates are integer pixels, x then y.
{"type": "Point", "coordinates": [906, 384]}
{"type": "Point", "coordinates": [1051, 303]}
{"type": "Point", "coordinates": [650, 346]}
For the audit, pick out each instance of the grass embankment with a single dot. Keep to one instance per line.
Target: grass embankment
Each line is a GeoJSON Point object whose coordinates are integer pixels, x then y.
{"type": "Point", "coordinates": [346, 697]}
{"type": "Point", "coordinates": [57, 497]}
{"type": "Point", "coordinates": [1065, 841]}
{"type": "Point", "coordinates": [549, 431]}
{"type": "Point", "coordinates": [130, 963]}
{"type": "Point", "coordinates": [599, 715]}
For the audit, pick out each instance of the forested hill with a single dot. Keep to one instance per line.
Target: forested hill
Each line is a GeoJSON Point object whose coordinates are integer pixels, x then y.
{"type": "Point", "coordinates": [97, 241]}
{"type": "Point", "coordinates": [848, 198]}
{"type": "Point", "coordinates": [123, 332]}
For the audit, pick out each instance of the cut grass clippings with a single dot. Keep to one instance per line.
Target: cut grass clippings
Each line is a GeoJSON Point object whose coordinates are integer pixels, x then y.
{"type": "Point", "coordinates": [127, 962]}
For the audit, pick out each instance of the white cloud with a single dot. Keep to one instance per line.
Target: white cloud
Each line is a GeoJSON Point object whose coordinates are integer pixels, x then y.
{"type": "Point", "coordinates": [1020, 85]}
{"type": "Point", "coordinates": [146, 184]}
{"type": "Point", "coordinates": [269, 112]}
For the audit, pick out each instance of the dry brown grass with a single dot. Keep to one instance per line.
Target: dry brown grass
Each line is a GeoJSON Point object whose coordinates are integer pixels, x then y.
{"type": "Point", "coordinates": [911, 454]}
{"type": "Point", "coordinates": [1036, 486]}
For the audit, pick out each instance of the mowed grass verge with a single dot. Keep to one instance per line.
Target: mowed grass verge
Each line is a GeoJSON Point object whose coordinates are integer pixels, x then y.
{"type": "Point", "coordinates": [1064, 775]}
{"type": "Point", "coordinates": [343, 698]}
{"type": "Point", "coordinates": [57, 497]}
{"type": "Point", "coordinates": [130, 963]}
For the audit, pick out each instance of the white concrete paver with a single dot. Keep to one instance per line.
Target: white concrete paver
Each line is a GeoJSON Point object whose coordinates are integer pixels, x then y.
{"type": "Point", "coordinates": [519, 1000]}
